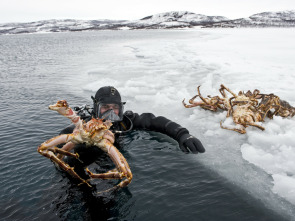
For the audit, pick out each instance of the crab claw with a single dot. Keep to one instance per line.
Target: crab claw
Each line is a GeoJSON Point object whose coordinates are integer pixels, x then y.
{"type": "Point", "coordinates": [61, 107]}
{"type": "Point", "coordinates": [58, 105]}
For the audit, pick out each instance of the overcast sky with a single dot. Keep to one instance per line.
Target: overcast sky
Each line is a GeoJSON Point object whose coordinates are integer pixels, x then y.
{"type": "Point", "coordinates": [33, 10]}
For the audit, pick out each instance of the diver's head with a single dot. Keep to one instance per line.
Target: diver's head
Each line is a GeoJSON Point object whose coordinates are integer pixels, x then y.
{"type": "Point", "coordinates": [107, 104]}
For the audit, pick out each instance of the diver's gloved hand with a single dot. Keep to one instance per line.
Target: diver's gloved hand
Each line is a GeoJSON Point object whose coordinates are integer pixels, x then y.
{"type": "Point", "coordinates": [188, 143]}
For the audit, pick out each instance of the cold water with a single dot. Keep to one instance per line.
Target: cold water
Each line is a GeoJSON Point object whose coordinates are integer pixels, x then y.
{"type": "Point", "coordinates": [37, 70]}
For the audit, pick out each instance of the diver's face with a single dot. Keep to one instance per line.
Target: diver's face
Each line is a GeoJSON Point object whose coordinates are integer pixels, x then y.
{"type": "Point", "coordinates": [106, 107]}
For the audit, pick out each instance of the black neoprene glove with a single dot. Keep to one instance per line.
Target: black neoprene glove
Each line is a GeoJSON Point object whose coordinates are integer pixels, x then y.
{"type": "Point", "coordinates": [188, 143]}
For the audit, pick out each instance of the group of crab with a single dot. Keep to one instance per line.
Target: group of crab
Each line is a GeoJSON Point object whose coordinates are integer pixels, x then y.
{"type": "Point", "coordinates": [246, 109]}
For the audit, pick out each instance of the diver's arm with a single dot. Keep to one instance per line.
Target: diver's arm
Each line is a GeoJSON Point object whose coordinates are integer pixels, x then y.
{"type": "Point", "coordinates": [148, 121]}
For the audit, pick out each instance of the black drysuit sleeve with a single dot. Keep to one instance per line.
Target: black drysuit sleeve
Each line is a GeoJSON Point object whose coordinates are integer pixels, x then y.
{"type": "Point", "coordinates": [148, 121]}
{"type": "Point", "coordinates": [68, 130]}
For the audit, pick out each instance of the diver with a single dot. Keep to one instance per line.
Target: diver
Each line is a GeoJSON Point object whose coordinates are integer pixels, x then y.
{"type": "Point", "coordinates": [107, 105]}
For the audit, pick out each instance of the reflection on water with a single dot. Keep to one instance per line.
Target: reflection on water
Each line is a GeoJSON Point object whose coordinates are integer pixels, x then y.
{"type": "Point", "coordinates": [38, 70]}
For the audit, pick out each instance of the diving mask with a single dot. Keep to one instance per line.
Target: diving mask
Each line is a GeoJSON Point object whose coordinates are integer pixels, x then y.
{"type": "Point", "coordinates": [112, 112]}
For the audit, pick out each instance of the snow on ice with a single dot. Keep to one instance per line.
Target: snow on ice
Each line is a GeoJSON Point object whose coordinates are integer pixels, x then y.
{"type": "Point", "coordinates": [156, 75]}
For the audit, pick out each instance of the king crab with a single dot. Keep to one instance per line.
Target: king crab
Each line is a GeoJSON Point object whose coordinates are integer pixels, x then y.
{"type": "Point", "coordinates": [241, 99]}
{"type": "Point", "coordinates": [244, 115]}
{"type": "Point", "coordinates": [271, 102]}
{"type": "Point", "coordinates": [93, 133]}
{"type": "Point", "coordinates": [245, 112]}
{"type": "Point", "coordinates": [242, 106]}
{"type": "Point", "coordinates": [208, 103]}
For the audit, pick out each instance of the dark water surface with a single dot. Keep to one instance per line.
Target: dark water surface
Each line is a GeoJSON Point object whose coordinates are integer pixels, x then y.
{"type": "Point", "coordinates": [37, 70]}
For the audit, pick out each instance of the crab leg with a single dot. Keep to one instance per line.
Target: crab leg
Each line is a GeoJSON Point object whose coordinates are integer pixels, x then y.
{"type": "Point", "coordinates": [48, 149]}
{"type": "Point", "coordinates": [192, 104]}
{"type": "Point", "coordinates": [255, 125]}
{"type": "Point", "coordinates": [277, 110]}
{"type": "Point", "coordinates": [191, 101]}
{"type": "Point", "coordinates": [268, 113]}
{"type": "Point", "coordinates": [222, 88]}
{"type": "Point", "coordinates": [63, 108]}
{"type": "Point", "coordinates": [242, 130]}
{"type": "Point", "coordinates": [256, 94]}
{"type": "Point", "coordinates": [199, 94]}
{"type": "Point", "coordinates": [63, 165]}
{"type": "Point", "coordinates": [67, 147]}
{"type": "Point", "coordinates": [62, 152]}
{"type": "Point", "coordinates": [112, 174]}
{"type": "Point", "coordinates": [122, 168]}
{"type": "Point", "coordinates": [64, 138]}
{"type": "Point", "coordinates": [204, 103]}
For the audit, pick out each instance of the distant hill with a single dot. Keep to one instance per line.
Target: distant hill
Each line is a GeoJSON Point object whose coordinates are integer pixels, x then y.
{"type": "Point", "coordinates": [168, 20]}
{"type": "Point", "coordinates": [174, 19]}
{"type": "Point", "coordinates": [264, 19]}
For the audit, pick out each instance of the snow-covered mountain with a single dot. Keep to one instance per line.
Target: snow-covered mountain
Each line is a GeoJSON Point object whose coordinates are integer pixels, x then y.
{"type": "Point", "coordinates": [175, 19]}
{"type": "Point", "coordinates": [55, 26]}
{"type": "Point", "coordinates": [168, 20]}
{"type": "Point", "coordinates": [264, 19]}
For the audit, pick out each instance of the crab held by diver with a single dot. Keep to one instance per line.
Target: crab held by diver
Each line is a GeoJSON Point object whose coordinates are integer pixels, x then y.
{"type": "Point", "coordinates": [93, 133]}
